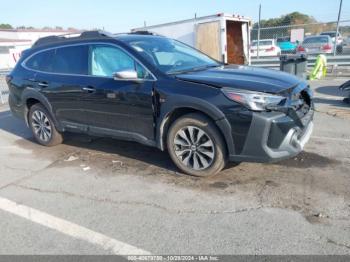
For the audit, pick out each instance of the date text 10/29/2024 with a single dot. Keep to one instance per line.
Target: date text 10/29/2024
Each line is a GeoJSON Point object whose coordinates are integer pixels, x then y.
{"type": "Point", "coordinates": [173, 258]}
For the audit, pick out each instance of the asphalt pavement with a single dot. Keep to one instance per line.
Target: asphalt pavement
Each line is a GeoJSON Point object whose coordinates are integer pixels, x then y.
{"type": "Point", "coordinates": [103, 196]}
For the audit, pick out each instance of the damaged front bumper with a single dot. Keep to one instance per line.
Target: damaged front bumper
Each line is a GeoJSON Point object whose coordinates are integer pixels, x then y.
{"type": "Point", "coordinates": [275, 136]}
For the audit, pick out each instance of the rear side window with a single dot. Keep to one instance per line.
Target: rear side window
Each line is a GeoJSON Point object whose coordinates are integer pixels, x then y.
{"type": "Point", "coordinates": [63, 60]}
{"type": "Point", "coordinates": [71, 60]}
{"type": "Point", "coordinates": [41, 61]}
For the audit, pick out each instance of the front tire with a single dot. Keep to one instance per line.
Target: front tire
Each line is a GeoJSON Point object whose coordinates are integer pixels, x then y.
{"type": "Point", "coordinates": [196, 146]}
{"type": "Point", "coordinates": [43, 127]}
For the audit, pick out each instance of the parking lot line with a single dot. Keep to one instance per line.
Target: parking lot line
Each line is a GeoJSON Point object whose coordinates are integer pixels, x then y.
{"type": "Point", "coordinates": [70, 229]}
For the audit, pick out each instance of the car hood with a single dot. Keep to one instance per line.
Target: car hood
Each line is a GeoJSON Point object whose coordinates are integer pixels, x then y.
{"type": "Point", "coordinates": [243, 77]}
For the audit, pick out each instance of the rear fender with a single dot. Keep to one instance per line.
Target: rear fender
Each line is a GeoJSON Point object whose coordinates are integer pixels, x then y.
{"type": "Point", "coordinates": [33, 94]}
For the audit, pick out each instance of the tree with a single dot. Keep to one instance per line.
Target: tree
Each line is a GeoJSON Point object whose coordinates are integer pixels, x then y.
{"type": "Point", "coordinates": [6, 26]}
{"type": "Point", "coordinates": [280, 26]}
{"type": "Point", "coordinates": [293, 18]}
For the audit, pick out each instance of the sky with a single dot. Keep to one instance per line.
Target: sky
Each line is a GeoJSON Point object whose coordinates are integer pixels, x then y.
{"type": "Point", "coordinates": [122, 15]}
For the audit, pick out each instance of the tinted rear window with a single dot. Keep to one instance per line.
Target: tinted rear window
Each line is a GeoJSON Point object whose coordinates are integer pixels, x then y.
{"type": "Point", "coordinates": [331, 34]}
{"type": "Point", "coordinates": [64, 60]}
{"type": "Point", "coordinates": [267, 42]}
{"type": "Point", "coordinates": [284, 39]}
{"type": "Point", "coordinates": [319, 39]}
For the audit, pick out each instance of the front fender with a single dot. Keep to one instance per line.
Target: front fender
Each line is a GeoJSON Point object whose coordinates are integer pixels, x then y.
{"type": "Point", "coordinates": [185, 102]}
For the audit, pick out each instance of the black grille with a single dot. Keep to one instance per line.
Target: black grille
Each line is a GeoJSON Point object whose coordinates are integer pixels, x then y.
{"type": "Point", "coordinates": [301, 103]}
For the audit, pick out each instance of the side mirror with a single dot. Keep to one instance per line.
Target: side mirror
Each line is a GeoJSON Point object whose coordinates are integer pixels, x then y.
{"type": "Point", "coordinates": [126, 75]}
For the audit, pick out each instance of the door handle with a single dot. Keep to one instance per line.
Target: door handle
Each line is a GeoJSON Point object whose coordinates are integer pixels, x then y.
{"type": "Point", "coordinates": [43, 84]}
{"type": "Point", "coordinates": [88, 89]}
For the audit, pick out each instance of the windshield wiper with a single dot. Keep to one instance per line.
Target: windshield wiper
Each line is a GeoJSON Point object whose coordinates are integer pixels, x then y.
{"type": "Point", "coordinates": [193, 69]}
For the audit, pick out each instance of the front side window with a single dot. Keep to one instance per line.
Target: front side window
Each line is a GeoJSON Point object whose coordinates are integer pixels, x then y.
{"type": "Point", "coordinates": [106, 60]}
{"type": "Point", "coordinates": [171, 56]}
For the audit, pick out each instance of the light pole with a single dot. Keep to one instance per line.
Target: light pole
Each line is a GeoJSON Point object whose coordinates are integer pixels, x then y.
{"type": "Point", "coordinates": [337, 32]}
{"type": "Point", "coordinates": [257, 55]}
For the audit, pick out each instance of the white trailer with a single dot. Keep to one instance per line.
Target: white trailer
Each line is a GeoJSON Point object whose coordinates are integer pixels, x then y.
{"type": "Point", "coordinates": [224, 37]}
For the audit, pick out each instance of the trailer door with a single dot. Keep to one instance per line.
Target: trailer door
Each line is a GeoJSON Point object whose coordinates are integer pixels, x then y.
{"type": "Point", "coordinates": [235, 50]}
{"type": "Point", "coordinates": [208, 39]}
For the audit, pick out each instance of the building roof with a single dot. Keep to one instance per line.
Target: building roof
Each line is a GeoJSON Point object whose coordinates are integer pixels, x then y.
{"type": "Point", "coordinates": [39, 30]}
{"type": "Point", "coordinates": [6, 40]}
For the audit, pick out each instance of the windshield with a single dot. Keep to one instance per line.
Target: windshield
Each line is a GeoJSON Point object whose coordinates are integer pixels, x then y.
{"type": "Point", "coordinates": [171, 56]}
{"type": "Point", "coordinates": [285, 39]}
{"type": "Point", "coordinates": [331, 34]}
{"type": "Point", "coordinates": [266, 42]}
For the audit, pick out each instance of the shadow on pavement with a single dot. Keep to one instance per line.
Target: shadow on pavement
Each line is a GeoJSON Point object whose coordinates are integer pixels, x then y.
{"type": "Point", "coordinates": [132, 150]}
{"type": "Point", "coordinates": [13, 125]}
{"type": "Point", "coordinates": [331, 91]}
{"type": "Point", "coordinates": [338, 103]}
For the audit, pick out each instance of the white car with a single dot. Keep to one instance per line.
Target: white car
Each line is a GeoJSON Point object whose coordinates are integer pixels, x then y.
{"type": "Point", "coordinates": [314, 45]}
{"type": "Point", "coordinates": [340, 40]}
{"type": "Point", "coordinates": [267, 47]}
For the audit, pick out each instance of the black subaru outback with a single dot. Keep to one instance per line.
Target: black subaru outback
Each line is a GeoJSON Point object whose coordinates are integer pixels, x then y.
{"type": "Point", "coordinates": [162, 93]}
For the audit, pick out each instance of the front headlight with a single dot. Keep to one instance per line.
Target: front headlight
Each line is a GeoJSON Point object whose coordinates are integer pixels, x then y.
{"type": "Point", "coordinates": [255, 101]}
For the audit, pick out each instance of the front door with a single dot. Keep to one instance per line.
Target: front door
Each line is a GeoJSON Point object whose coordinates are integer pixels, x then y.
{"type": "Point", "coordinates": [118, 107]}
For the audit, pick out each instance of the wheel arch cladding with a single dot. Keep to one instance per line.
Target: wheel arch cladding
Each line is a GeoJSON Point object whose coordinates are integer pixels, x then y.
{"type": "Point", "coordinates": [170, 112]}
{"type": "Point", "coordinates": [31, 98]}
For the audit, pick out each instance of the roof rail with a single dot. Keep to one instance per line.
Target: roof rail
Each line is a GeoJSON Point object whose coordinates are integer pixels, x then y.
{"type": "Point", "coordinates": [144, 32]}
{"type": "Point", "coordinates": [74, 36]}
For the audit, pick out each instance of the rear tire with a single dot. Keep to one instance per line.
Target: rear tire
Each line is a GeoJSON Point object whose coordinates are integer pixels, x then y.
{"type": "Point", "coordinates": [43, 127]}
{"type": "Point", "coordinates": [196, 146]}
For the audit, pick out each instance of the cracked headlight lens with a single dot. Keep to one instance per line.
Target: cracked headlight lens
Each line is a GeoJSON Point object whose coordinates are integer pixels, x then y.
{"type": "Point", "coordinates": [255, 101]}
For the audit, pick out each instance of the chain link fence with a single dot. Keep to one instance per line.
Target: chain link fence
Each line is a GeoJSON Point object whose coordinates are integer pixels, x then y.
{"type": "Point", "coordinates": [3, 89]}
{"type": "Point", "coordinates": [303, 38]}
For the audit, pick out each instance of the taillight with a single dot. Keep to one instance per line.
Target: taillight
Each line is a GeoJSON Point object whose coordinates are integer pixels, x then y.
{"type": "Point", "coordinates": [301, 49]}
{"type": "Point", "coordinates": [327, 47]}
{"type": "Point", "coordinates": [270, 49]}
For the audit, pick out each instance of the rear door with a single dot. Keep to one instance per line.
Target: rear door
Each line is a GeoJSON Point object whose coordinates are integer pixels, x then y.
{"type": "Point", "coordinates": [208, 39]}
{"type": "Point", "coordinates": [61, 74]}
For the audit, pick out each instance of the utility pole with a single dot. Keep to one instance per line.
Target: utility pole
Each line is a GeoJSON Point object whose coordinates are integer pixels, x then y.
{"type": "Point", "coordinates": [259, 31]}
{"type": "Point", "coordinates": [337, 32]}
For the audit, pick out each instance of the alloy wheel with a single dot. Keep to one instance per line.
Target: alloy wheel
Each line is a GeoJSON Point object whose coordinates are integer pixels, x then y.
{"type": "Point", "coordinates": [194, 148]}
{"type": "Point", "coordinates": [41, 126]}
